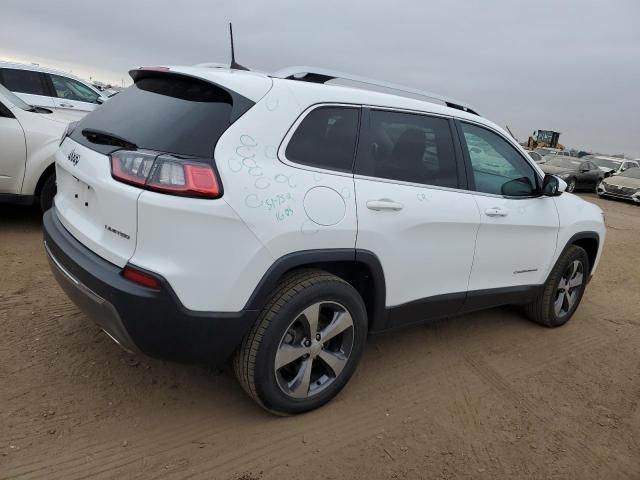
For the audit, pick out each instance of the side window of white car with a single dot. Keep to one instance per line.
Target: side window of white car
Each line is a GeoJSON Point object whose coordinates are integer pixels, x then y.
{"type": "Point", "coordinates": [408, 147]}
{"type": "Point", "coordinates": [72, 90]}
{"type": "Point", "coordinates": [497, 166]}
{"type": "Point", "coordinates": [23, 81]}
{"type": "Point", "coordinates": [326, 138]}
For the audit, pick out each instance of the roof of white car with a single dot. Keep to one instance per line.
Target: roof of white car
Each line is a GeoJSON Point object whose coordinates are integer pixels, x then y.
{"type": "Point", "coordinates": [251, 84]}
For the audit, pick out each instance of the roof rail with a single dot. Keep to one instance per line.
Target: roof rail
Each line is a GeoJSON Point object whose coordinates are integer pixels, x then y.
{"type": "Point", "coordinates": [322, 75]}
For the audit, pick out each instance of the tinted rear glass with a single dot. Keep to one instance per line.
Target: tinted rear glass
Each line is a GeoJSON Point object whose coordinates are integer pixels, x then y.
{"type": "Point", "coordinates": [326, 138]}
{"type": "Point", "coordinates": [23, 81]}
{"type": "Point", "coordinates": [168, 113]}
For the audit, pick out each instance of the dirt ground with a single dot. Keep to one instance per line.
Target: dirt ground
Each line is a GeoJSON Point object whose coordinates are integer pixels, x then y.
{"type": "Point", "coordinates": [487, 395]}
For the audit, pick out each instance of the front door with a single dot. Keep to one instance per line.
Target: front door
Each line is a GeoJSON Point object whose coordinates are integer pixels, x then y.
{"type": "Point", "coordinates": [72, 97]}
{"type": "Point", "coordinates": [413, 213]}
{"type": "Point", "coordinates": [518, 228]}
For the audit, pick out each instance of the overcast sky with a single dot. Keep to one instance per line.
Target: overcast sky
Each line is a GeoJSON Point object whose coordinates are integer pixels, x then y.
{"type": "Point", "coordinates": [571, 66]}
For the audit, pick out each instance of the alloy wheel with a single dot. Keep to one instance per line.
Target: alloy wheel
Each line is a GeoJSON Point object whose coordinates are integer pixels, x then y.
{"type": "Point", "coordinates": [569, 288]}
{"type": "Point", "coordinates": [314, 349]}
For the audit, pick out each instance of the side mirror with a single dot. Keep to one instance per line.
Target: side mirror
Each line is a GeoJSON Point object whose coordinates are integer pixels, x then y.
{"type": "Point", "coordinates": [553, 186]}
{"type": "Point", "coordinates": [518, 187]}
{"type": "Point", "coordinates": [99, 100]}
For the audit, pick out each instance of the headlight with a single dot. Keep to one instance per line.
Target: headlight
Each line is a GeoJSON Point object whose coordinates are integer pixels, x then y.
{"type": "Point", "coordinates": [564, 175]}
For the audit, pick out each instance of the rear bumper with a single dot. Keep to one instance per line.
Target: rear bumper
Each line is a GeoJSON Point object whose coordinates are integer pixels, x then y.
{"type": "Point", "coordinates": [153, 322]}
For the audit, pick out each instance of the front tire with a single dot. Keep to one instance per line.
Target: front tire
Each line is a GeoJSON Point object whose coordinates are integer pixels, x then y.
{"type": "Point", "coordinates": [47, 192]}
{"type": "Point", "coordinates": [571, 185]}
{"type": "Point", "coordinates": [563, 290]}
{"type": "Point", "coordinates": [305, 345]}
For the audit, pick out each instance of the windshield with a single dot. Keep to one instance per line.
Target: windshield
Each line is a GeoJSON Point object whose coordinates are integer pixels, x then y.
{"type": "Point", "coordinates": [603, 162]}
{"type": "Point", "coordinates": [14, 99]}
{"type": "Point", "coordinates": [563, 162]}
{"type": "Point", "coordinates": [631, 173]}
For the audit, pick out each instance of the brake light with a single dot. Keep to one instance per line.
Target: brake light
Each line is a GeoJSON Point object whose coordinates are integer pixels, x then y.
{"type": "Point", "coordinates": [141, 278]}
{"type": "Point", "coordinates": [166, 173]}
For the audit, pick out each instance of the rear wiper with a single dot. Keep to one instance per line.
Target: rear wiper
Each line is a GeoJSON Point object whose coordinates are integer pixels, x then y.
{"type": "Point", "coordinates": [105, 138]}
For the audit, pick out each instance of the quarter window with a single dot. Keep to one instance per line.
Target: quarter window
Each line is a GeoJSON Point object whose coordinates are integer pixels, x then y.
{"type": "Point", "coordinates": [72, 90]}
{"type": "Point", "coordinates": [326, 138]}
{"type": "Point", "coordinates": [497, 166]}
{"type": "Point", "coordinates": [409, 147]}
{"type": "Point", "coordinates": [23, 81]}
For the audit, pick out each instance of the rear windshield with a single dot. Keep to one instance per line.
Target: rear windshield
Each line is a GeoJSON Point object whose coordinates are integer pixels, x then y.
{"type": "Point", "coordinates": [167, 113]}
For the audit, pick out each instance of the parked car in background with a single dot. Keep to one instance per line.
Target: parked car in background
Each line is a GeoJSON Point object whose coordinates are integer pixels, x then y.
{"type": "Point", "coordinates": [29, 138]}
{"type": "Point", "coordinates": [611, 165]}
{"type": "Point", "coordinates": [544, 151]}
{"type": "Point", "coordinates": [52, 89]}
{"type": "Point", "coordinates": [537, 157]}
{"type": "Point", "coordinates": [579, 174]}
{"type": "Point", "coordinates": [625, 185]}
{"type": "Point", "coordinates": [205, 213]}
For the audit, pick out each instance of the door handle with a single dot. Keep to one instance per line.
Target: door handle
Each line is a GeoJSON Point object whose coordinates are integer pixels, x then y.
{"type": "Point", "coordinates": [384, 204]}
{"type": "Point", "coordinates": [66, 105]}
{"type": "Point", "coordinates": [495, 212]}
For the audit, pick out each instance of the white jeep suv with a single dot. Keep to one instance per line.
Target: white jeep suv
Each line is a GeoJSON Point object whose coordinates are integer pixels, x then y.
{"type": "Point", "coordinates": [206, 213]}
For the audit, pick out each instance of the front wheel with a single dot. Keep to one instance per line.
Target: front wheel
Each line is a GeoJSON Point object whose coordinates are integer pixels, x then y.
{"type": "Point", "coordinates": [563, 290]}
{"type": "Point", "coordinates": [571, 185]}
{"type": "Point", "coordinates": [305, 345]}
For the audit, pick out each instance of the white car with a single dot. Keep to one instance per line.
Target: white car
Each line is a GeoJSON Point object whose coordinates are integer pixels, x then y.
{"type": "Point", "coordinates": [29, 139]}
{"type": "Point", "coordinates": [52, 89]}
{"type": "Point", "coordinates": [612, 165]}
{"type": "Point", "coordinates": [206, 213]}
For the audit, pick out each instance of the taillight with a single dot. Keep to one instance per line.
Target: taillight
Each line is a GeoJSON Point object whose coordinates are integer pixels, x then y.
{"type": "Point", "coordinates": [166, 173]}
{"type": "Point", "coordinates": [141, 278]}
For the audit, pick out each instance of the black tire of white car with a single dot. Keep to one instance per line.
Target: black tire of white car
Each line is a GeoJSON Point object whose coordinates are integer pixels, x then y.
{"type": "Point", "coordinates": [543, 309]}
{"type": "Point", "coordinates": [47, 192]}
{"type": "Point", "coordinates": [255, 362]}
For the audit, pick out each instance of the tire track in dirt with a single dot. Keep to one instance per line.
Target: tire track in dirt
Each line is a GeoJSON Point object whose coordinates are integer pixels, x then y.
{"type": "Point", "coordinates": [578, 449]}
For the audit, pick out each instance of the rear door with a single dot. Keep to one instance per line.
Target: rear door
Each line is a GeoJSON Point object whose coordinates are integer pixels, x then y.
{"type": "Point", "coordinates": [13, 153]}
{"type": "Point", "coordinates": [591, 175]}
{"type": "Point", "coordinates": [72, 96]}
{"type": "Point", "coordinates": [414, 213]}
{"type": "Point", "coordinates": [30, 86]}
{"type": "Point", "coordinates": [518, 227]}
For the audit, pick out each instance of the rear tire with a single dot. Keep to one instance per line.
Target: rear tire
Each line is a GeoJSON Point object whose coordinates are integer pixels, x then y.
{"type": "Point", "coordinates": [286, 364]}
{"type": "Point", "coordinates": [47, 192]}
{"type": "Point", "coordinates": [563, 290]}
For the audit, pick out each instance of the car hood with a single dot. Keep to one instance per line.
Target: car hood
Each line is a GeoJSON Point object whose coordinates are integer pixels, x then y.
{"type": "Point", "coordinates": [623, 181]}
{"type": "Point", "coordinates": [546, 168]}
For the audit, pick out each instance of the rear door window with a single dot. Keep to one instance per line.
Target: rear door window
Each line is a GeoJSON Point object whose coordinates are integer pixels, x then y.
{"type": "Point", "coordinates": [23, 81]}
{"type": "Point", "coordinates": [166, 113]}
{"type": "Point", "coordinates": [408, 147]}
{"type": "Point", "coordinates": [326, 138]}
